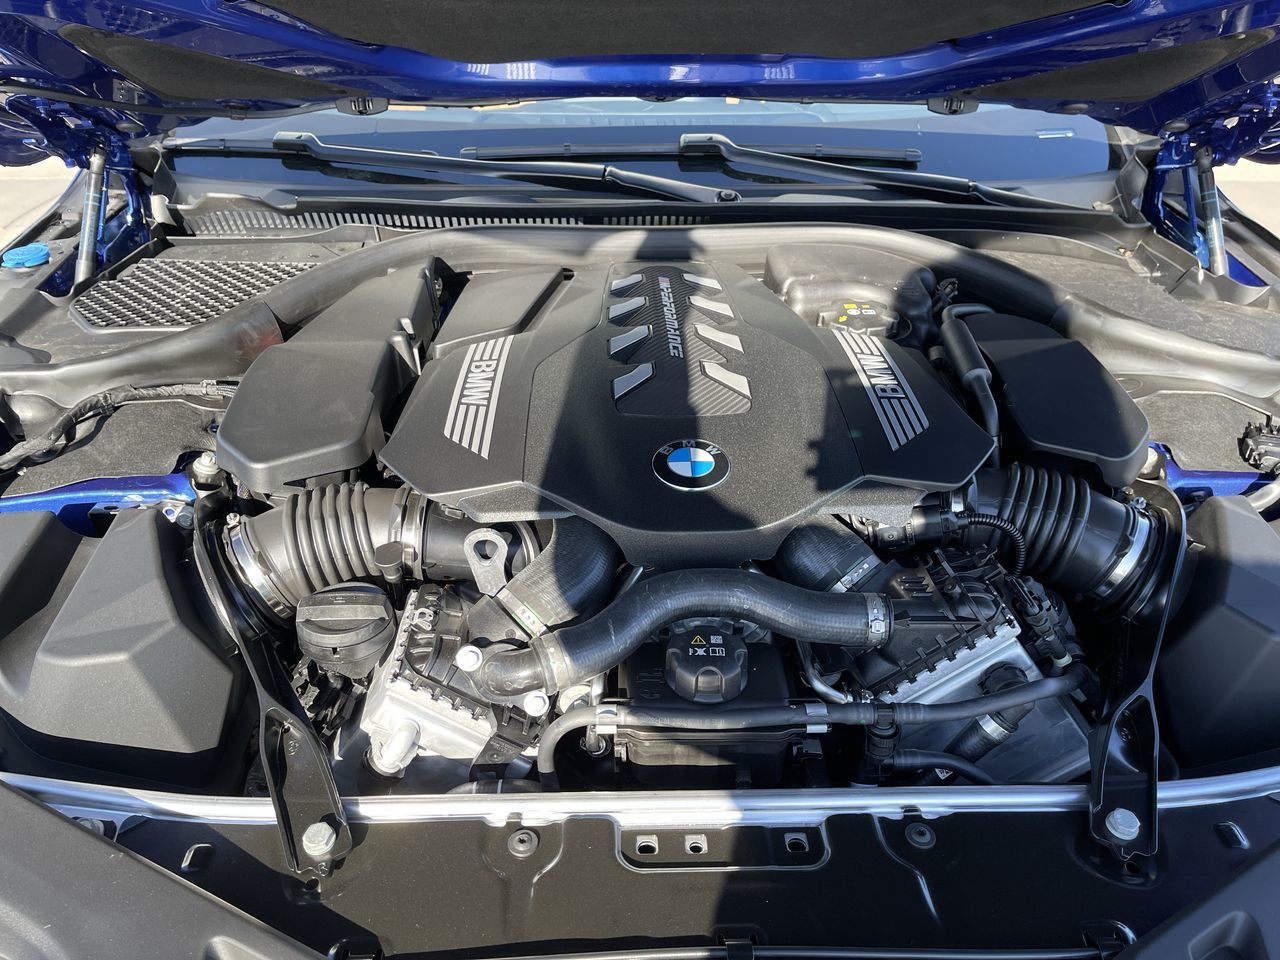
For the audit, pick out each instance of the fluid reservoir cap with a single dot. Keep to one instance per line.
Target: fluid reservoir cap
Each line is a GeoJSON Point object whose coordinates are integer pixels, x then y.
{"type": "Point", "coordinates": [31, 255]}
{"type": "Point", "coordinates": [346, 628]}
{"type": "Point", "coordinates": [706, 665]}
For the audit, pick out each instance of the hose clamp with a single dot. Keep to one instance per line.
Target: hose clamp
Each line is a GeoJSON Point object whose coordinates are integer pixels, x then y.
{"type": "Point", "coordinates": [606, 720]}
{"type": "Point", "coordinates": [407, 526]}
{"type": "Point", "coordinates": [877, 618]}
{"type": "Point", "coordinates": [244, 561]}
{"type": "Point", "coordinates": [819, 719]}
{"type": "Point", "coordinates": [995, 731]}
{"type": "Point", "coordinates": [528, 621]}
{"type": "Point", "coordinates": [1139, 534]}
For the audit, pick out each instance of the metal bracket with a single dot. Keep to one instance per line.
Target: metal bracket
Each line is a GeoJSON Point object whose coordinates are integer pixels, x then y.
{"type": "Point", "coordinates": [309, 814]}
{"type": "Point", "coordinates": [1124, 749]}
{"type": "Point", "coordinates": [486, 551]}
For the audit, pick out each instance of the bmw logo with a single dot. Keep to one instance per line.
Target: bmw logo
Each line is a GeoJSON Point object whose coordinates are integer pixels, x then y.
{"type": "Point", "coordinates": [690, 464]}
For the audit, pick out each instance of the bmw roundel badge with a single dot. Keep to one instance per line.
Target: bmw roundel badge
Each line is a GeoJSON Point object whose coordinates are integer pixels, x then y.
{"type": "Point", "coordinates": [690, 464]}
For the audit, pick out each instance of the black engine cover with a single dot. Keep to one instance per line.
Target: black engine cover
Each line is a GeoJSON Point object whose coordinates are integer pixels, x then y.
{"type": "Point", "coordinates": [550, 395]}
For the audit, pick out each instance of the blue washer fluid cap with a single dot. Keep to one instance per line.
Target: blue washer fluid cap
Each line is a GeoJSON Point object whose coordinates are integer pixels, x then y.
{"type": "Point", "coordinates": [32, 255]}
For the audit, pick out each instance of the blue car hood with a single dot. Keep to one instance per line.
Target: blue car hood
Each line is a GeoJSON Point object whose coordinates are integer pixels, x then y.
{"type": "Point", "coordinates": [79, 73]}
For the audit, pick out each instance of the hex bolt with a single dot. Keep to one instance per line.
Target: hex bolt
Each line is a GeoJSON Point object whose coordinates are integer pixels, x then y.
{"type": "Point", "coordinates": [318, 840]}
{"type": "Point", "coordinates": [522, 843]}
{"type": "Point", "coordinates": [535, 703]}
{"type": "Point", "coordinates": [1123, 824]}
{"type": "Point", "coordinates": [468, 658]}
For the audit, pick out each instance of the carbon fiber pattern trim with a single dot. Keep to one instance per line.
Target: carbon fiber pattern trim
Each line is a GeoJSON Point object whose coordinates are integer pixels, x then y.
{"type": "Point", "coordinates": [172, 293]}
{"type": "Point", "coordinates": [688, 373]}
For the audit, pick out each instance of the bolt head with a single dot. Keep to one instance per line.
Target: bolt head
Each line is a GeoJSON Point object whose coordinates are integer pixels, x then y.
{"type": "Point", "coordinates": [318, 840]}
{"type": "Point", "coordinates": [522, 843]}
{"type": "Point", "coordinates": [535, 703]}
{"type": "Point", "coordinates": [1123, 824]}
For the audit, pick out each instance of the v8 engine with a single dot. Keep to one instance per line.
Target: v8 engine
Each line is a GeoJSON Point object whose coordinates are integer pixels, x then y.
{"type": "Point", "coordinates": [682, 408]}
{"type": "Point", "coordinates": [659, 515]}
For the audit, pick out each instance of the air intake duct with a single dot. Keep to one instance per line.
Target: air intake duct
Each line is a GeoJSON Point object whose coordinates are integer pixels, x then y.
{"type": "Point", "coordinates": [343, 532]}
{"type": "Point", "coordinates": [1078, 541]}
{"type": "Point", "coordinates": [1054, 527]}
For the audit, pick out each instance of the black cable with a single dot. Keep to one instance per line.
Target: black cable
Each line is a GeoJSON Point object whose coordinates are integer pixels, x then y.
{"type": "Point", "coordinates": [939, 760]}
{"type": "Point", "coordinates": [103, 403]}
{"type": "Point", "coordinates": [800, 714]}
{"type": "Point", "coordinates": [1008, 528]}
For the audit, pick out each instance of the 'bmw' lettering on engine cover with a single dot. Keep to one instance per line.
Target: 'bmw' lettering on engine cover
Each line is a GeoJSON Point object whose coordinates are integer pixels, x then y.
{"type": "Point", "coordinates": [896, 406]}
{"type": "Point", "coordinates": [469, 422]}
{"type": "Point", "coordinates": [690, 464]}
{"type": "Point", "coordinates": [675, 343]}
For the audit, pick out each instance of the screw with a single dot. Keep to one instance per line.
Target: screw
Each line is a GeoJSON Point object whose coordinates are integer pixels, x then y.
{"type": "Point", "coordinates": [468, 658]}
{"type": "Point", "coordinates": [318, 840]}
{"type": "Point", "coordinates": [921, 836]}
{"type": "Point", "coordinates": [1123, 824]}
{"type": "Point", "coordinates": [522, 843]}
{"type": "Point", "coordinates": [727, 195]}
{"type": "Point", "coordinates": [535, 703]}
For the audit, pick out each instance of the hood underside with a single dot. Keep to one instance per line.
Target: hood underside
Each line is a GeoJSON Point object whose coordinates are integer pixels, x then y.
{"type": "Point", "coordinates": [130, 70]}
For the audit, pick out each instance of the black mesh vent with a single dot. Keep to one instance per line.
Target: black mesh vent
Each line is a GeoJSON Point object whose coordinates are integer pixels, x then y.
{"type": "Point", "coordinates": [254, 222]}
{"type": "Point", "coordinates": [178, 293]}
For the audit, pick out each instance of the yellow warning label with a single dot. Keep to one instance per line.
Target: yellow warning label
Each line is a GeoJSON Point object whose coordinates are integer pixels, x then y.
{"type": "Point", "coordinates": [698, 641]}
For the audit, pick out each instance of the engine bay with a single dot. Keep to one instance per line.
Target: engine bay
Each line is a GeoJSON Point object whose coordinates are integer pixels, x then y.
{"type": "Point", "coordinates": [591, 510]}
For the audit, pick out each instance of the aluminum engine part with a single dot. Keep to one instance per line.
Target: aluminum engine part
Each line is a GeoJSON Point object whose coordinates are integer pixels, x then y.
{"type": "Point", "coordinates": [1050, 744]}
{"type": "Point", "coordinates": [419, 708]}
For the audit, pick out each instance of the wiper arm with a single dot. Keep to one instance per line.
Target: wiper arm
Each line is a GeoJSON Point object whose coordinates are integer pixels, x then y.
{"type": "Point", "coordinates": [313, 146]}
{"type": "Point", "coordinates": [695, 144]}
{"type": "Point", "coordinates": [899, 157]}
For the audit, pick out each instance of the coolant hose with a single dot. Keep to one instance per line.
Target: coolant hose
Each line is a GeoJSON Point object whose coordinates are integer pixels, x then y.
{"type": "Point", "coordinates": [576, 653]}
{"type": "Point", "coordinates": [801, 714]}
{"type": "Point", "coordinates": [940, 760]}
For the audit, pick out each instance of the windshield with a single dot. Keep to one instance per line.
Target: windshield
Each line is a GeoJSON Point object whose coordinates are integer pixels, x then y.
{"type": "Point", "coordinates": [993, 143]}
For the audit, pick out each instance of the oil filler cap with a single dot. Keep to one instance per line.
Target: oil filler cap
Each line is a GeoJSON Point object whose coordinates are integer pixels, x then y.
{"type": "Point", "coordinates": [705, 665]}
{"type": "Point", "coordinates": [346, 628]}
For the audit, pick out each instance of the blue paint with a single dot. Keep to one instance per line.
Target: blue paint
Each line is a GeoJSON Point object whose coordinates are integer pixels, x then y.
{"type": "Point", "coordinates": [35, 52]}
{"type": "Point", "coordinates": [1195, 485]}
{"type": "Point", "coordinates": [30, 255]}
{"type": "Point", "coordinates": [76, 503]}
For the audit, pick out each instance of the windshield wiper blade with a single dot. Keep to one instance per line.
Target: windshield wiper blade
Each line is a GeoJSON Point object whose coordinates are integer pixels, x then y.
{"type": "Point", "coordinates": [313, 146]}
{"type": "Point", "coordinates": [908, 157]}
{"type": "Point", "coordinates": [716, 144]}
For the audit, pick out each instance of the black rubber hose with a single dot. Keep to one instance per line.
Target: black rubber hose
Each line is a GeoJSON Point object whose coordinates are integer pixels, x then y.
{"type": "Point", "coordinates": [1011, 532]}
{"type": "Point", "coordinates": [326, 536]}
{"type": "Point", "coordinates": [1077, 541]}
{"type": "Point", "coordinates": [572, 654]}
{"type": "Point", "coordinates": [570, 576]}
{"type": "Point", "coordinates": [801, 714]}
{"type": "Point", "coordinates": [971, 368]}
{"type": "Point", "coordinates": [315, 539]}
{"type": "Point", "coordinates": [1047, 688]}
{"type": "Point", "coordinates": [938, 760]}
